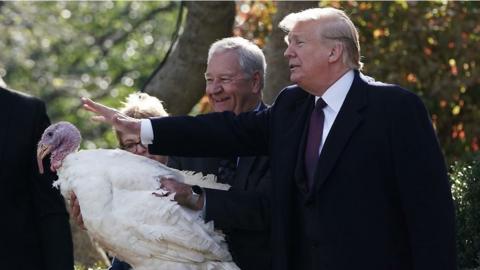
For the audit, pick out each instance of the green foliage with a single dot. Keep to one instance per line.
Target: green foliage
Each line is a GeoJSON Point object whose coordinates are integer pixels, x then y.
{"type": "Point", "coordinates": [254, 20]}
{"type": "Point", "coordinates": [431, 48]}
{"type": "Point", "coordinates": [465, 178]}
{"type": "Point", "coordinates": [60, 51]}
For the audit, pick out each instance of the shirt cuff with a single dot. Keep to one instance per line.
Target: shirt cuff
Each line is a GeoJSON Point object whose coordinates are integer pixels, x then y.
{"type": "Point", "coordinates": [146, 132]}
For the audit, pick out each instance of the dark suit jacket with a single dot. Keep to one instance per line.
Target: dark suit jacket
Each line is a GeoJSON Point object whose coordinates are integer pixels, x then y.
{"type": "Point", "coordinates": [34, 228]}
{"type": "Point", "coordinates": [248, 238]}
{"type": "Point", "coordinates": [381, 198]}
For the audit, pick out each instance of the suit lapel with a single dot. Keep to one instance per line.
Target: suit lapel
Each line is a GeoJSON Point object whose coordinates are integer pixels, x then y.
{"type": "Point", "coordinates": [347, 120]}
{"type": "Point", "coordinates": [299, 174]}
{"type": "Point", "coordinates": [244, 167]}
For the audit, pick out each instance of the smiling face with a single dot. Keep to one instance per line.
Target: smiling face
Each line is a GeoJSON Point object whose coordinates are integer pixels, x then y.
{"type": "Point", "coordinates": [228, 88]}
{"type": "Point", "coordinates": [308, 56]}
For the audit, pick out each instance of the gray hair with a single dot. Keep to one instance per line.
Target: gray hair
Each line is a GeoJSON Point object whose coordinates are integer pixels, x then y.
{"type": "Point", "coordinates": [336, 26]}
{"type": "Point", "coordinates": [250, 57]}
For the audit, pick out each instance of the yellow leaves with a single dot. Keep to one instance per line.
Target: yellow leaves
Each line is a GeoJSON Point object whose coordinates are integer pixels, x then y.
{"type": "Point", "coordinates": [377, 33]}
{"type": "Point", "coordinates": [453, 66]}
{"type": "Point", "coordinates": [402, 3]}
{"type": "Point", "coordinates": [365, 6]}
{"type": "Point", "coordinates": [58, 82]}
{"type": "Point", "coordinates": [443, 103]}
{"type": "Point", "coordinates": [458, 132]}
{"type": "Point", "coordinates": [456, 110]}
{"type": "Point", "coordinates": [411, 78]}
{"type": "Point", "coordinates": [380, 32]}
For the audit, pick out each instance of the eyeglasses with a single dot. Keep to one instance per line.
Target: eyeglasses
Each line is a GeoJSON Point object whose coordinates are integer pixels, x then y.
{"type": "Point", "coordinates": [132, 147]}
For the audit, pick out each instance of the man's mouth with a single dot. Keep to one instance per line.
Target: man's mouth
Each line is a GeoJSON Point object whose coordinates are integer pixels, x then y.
{"type": "Point", "coordinates": [219, 100]}
{"type": "Point", "coordinates": [293, 66]}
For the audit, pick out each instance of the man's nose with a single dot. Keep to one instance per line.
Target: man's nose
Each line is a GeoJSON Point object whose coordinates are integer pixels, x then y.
{"type": "Point", "coordinates": [288, 52]}
{"type": "Point", "coordinates": [214, 87]}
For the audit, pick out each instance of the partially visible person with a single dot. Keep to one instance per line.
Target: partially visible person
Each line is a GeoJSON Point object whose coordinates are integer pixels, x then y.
{"type": "Point", "coordinates": [140, 105]}
{"type": "Point", "coordinates": [136, 105]}
{"type": "Point", "coordinates": [358, 177]}
{"type": "Point", "coordinates": [35, 224]}
{"type": "Point", "coordinates": [234, 81]}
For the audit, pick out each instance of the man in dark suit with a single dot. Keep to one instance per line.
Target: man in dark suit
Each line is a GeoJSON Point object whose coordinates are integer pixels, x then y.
{"type": "Point", "coordinates": [358, 177]}
{"type": "Point", "coordinates": [35, 228]}
{"type": "Point", "coordinates": [234, 75]}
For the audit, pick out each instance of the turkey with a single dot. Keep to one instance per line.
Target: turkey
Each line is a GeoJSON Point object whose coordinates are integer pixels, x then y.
{"type": "Point", "coordinates": [115, 191]}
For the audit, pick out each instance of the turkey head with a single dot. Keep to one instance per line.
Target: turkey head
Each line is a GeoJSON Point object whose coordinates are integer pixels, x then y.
{"type": "Point", "coordinates": [59, 140]}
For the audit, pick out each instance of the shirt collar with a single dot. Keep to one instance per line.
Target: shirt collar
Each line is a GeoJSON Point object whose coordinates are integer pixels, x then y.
{"type": "Point", "coordinates": [259, 105]}
{"type": "Point", "coordinates": [336, 93]}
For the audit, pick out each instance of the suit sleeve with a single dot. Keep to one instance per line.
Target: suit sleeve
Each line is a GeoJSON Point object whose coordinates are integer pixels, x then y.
{"type": "Point", "coordinates": [212, 135]}
{"type": "Point", "coordinates": [174, 162]}
{"type": "Point", "coordinates": [423, 185]}
{"type": "Point", "coordinates": [235, 209]}
{"type": "Point", "coordinates": [241, 209]}
{"type": "Point", "coordinates": [51, 214]}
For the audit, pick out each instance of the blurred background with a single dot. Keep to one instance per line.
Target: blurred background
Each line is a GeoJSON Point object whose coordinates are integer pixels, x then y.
{"type": "Point", "coordinates": [61, 51]}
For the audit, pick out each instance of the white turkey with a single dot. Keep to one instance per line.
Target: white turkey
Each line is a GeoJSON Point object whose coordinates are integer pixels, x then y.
{"type": "Point", "coordinates": [114, 189]}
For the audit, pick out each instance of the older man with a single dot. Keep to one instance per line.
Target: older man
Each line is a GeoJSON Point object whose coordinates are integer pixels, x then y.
{"type": "Point", "coordinates": [234, 82]}
{"type": "Point", "coordinates": [358, 178]}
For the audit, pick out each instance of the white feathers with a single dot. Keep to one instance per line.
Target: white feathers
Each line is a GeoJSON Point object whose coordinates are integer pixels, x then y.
{"type": "Point", "coordinates": [114, 189]}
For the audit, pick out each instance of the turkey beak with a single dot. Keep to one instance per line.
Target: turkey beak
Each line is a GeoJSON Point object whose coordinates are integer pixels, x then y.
{"type": "Point", "coordinates": [42, 151]}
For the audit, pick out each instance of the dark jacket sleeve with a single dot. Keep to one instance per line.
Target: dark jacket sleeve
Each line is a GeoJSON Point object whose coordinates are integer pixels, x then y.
{"type": "Point", "coordinates": [423, 185]}
{"type": "Point", "coordinates": [174, 162]}
{"type": "Point", "coordinates": [246, 206]}
{"type": "Point", "coordinates": [51, 215]}
{"type": "Point", "coordinates": [240, 209]}
{"type": "Point", "coordinates": [242, 135]}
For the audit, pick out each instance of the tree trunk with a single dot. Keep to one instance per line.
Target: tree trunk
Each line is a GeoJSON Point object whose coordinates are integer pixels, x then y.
{"type": "Point", "coordinates": [180, 83]}
{"type": "Point", "coordinates": [278, 73]}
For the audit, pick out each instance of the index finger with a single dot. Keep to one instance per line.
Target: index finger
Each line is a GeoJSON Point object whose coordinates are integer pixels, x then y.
{"type": "Point", "coordinates": [106, 112]}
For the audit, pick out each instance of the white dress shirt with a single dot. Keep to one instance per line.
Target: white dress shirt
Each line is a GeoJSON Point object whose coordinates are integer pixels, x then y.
{"type": "Point", "coordinates": [146, 132]}
{"type": "Point", "coordinates": [334, 97]}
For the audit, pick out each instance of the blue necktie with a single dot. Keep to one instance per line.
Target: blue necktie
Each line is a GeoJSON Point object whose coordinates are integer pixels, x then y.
{"type": "Point", "coordinates": [314, 139]}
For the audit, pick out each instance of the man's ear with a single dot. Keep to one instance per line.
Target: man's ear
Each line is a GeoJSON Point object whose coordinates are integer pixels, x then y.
{"type": "Point", "coordinates": [256, 82]}
{"type": "Point", "coordinates": [336, 52]}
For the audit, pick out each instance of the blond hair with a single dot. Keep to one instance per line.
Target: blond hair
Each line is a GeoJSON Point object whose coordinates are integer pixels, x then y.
{"type": "Point", "coordinates": [142, 105]}
{"type": "Point", "coordinates": [336, 25]}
